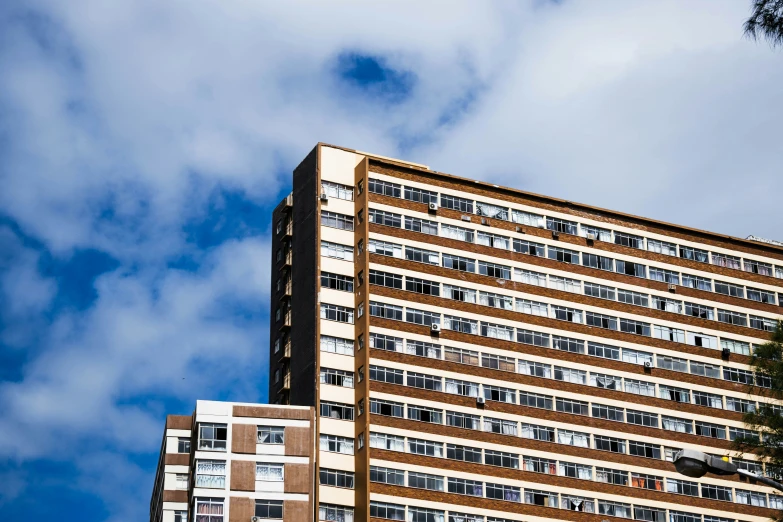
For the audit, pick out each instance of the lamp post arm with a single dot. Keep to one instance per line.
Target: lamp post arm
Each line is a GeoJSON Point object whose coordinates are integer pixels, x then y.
{"type": "Point", "coordinates": [764, 480]}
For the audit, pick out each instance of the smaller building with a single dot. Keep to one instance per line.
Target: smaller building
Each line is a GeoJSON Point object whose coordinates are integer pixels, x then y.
{"type": "Point", "coordinates": [231, 462]}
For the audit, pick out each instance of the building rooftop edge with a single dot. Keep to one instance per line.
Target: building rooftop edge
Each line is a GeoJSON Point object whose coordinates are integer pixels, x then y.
{"type": "Point", "coordinates": [417, 166]}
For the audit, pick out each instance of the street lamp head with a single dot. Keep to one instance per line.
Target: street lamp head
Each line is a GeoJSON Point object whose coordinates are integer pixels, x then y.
{"type": "Point", "coordinates": [696, 464]}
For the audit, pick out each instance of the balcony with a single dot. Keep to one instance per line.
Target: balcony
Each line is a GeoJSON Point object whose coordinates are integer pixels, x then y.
{"type": "Point", "coordinates": [285, 353]}
{"type": "Point", "coordinates": [286, 385]}
{"type": "Point", "coordinates": [286, 320]}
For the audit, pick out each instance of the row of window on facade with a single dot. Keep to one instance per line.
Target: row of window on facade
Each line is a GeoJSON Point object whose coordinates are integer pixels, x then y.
{"type": "Point", "coordinates": [214, 437]}
{"type": "Point", "coordinates": [212, 473]}
{"type": "Point", "coordinates": [574, 228]}
{"type": "Point", "coordinates": [213, 509]}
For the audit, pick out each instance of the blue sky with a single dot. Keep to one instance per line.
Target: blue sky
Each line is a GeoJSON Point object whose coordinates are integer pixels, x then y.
{"type": "Point", "coordinates": [143, 145]}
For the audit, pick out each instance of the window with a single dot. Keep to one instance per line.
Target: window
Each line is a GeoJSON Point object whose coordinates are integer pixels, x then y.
{"type": "Point", "coordinates": [336, 444]}
{"type": "Point", "coordinates": [504, 492]}
{"type": "Point", "coordinates": [494, 270]}
{"type": "Point", "coordinates": [456, 233]}
{"type": "Point", "coordinates": [384, 217]}
{"type": "Point", "coordinates": [644, 449]}
{"type": "Point", "coordinates": [729, 289]}
{"type": "Point", "coordinates": [456, 203]}
{"type": "Point", "coordinates": [183, 445]}
{"type": "Point", "coordinates": [600, 291]}
{"type": "Point", "coordinates": [423, 381]}
{"type": "Point", "coordinates": [502, 459]}
{"type": "Point", "coordinates": [268, 509]}
{"type": "Point", "coordinates": [600, 320]}
{"type": "Point", "coordinates": [682, 487]}
{"type": "Point", "coordinates": [384, 188]}
{"type": "Point", "coordinates": [762, 296]}
{"type": "Point", "coordinates": [716, 492]}
{"type": "Point", "coordinates": [665, 276]}
{"type": "Point", "coordinates": [707, 399]}
{"type": "Point", "coordinates": [384, 248]}
{"type": "Point", "coordinates": [566, 314]}
{"type": "Point", "coordinates": [493, 240]}
{"type": "Point", "coordinates": [335, 220]}
{"type": "Point", "coordinates": [535, 400]}
{"type": "Point", "coordinates": [209, 510]}
{"type": "Point", "coordinates": [612, 413]}
{"type": "Point", "coordinates": [738, 347]}
{"type": "Point", "coordinates": [526, 218]}
{"type": "Point", "coordinates": [540, 498]}
{"type": "Point", "coordinates": [531, 431]}
{"type": "Point", "coordinates": [611, 476]}
{"type": "Point", "coordinates": [421, 317]}
{"type": "Point", "coordinates": [568, 344]}
{"type": "Point", "coordinates": [640, 387]}
{"type": "Point", "coordinates": [459, 324]}
{"type": "Point", "coordinates": [633, 298]}
{"type": "Point", "coordinates": [499, 394]}
{"type": "Point", "coordinates": [697, 310]}
{"type": "Point", "coordinates": [385, 342]}
{"type": "Point", "coordinates": [705, 369]}
{"type": "Point", "coordinates": [498, 362]}
{"type": "Point", "coordinates": [422, 286]}
{"type": "Point", "coordinates": [602, 350]}
{"type": "Point", "coordinates": [540, 465]}
{"type": "Point", "coordinates": [572, 406]}
{"type": "Point", "coordinates": [580, 471]}
{"type": "Point", "coordinates": [531, 337]}
{"type": "Point", "coordinates": [387, 408]}
{"type": "Point", "coordinates": [629, 268]}
{"type": "Point", "coordinates": [463, 420]}
{"type": "Point", "coordinates": [458, 293]}
{"type": "Point", "coordinates": [496, 300]}
{"type": "Point", "coordinates": [462, 486]}
{"type": "Point", "coordinates": [336, 190]}
{"type": "Point", "coordinates": [694, 254]}
{"type": "Point", "coordinates": [464, 388]}
{"type": "Point", "coordinates": [422, 414]}
{"type": "Point", "coordinates": [676, 424]}
{"type": "Point", "coordinates": [740, 405]}
{"type": "Point", "coordinates": [699, 283]}
{"type": "Point", "coordinates": [271, 435]}
{"type": "Point", "coordinates": [462, 356]}
{"type": "Point", "coordinates": [599, 262]}
{"type": "Point", "coordinates": [726, 260]}
{"type": "Point", "coordinates": [565, 284]}
{"type": "Point", "coordinates": [211, 474]}
{"type": "Point", "coordinates": [634, 327]}
{"type": "Point", "coordinates": [212, 436]}
{"type": "Point", "coordinates": [642, 418]}
{"type": "Point", "coordinates": [337, 513]}
{"type": "Point", "coordinates": [629, 240]}
{"type": "Point", "coordinates": [699, 339]}
{"type": "Point", "coordinates": [386, 311]}
{"type": "Point", "coordinates": [672, 363]}
{"type": "Point", "coordinates": [612, 444]}
{"type": "Point", "coordinates": [526, 306]}
{"type": "Point", "coordinates": [180, 516]}
{"type": "Point", "coordinates": [497, 331]}
{"type": "Point", "coordinates": [706, 429]}
{"type": "Point", "coordinates": [564, 255]}
{"type": "Point", "coordinates": [385, 279]}
{"type": "Point", "coordinates": [387, 442]}
{"type": "Point", "coordinates": [570, 375]}
{"type": "Point", "coordinates": [763, 323]}
{"type": "Point", "coordinates": [529, 277]}
{"type": "Point", "coordinates": [601, 234]}
{"type": "Point", "coordinates": [382, 374]}
{"type": "Point", "coordinates": [757, 267]}
{"type": "Point", "coordinates": [674, 394]}
{"type": "Point", "coordinates": [535, 369]}
{"type": "Point", "coordinates": [337, 282]}
{"type": "Point", "coordinates": [181, 481]}
{"type": "Point", "coordinates": [269, 472]}
{"type": "Point", "coordinates": [422, 349]}
{"type": "Point", "coordinates": [336, 251]}
{"type": "Point", "coordinates": [528, 247]}
{"type": "Point", "coordinates": [738, 375]}
{"type": "Point", "coordinates": [395, 477]}
{"type": "Point", "coordinates": [420, 195]}
{"type": "Point", "coordinates": [425, 481]}
{"type": "Point", "coordinates": [336, 377]}
{"type": "Point", "coordinates": [608, 382]}
{"type": "Point", "coordinates": [425, 226]}
{"type": "Point", "coordinates": [465, 453]}
{"type": "Point", "coordinates": [425, 447]}
{"type": "Point", "coordinates": [336, 410]}
{"type": "Point", "coordinates": [459, 263]}
{"type": "Point", "coordinates": [492, 211]}
{"type": "Point", "coordinates": [649, 514]}
{"type": "Point", "coordinates": [561, 225]}
{"type": "Point", "coordinates": [669, 334]}
{"type": "Point", "coordinates": [645, 481]}
{"type": "Point", "coordinates": [665, 304]}
{"type": "Point", "coordinates": [662, 247]}
{"type": "Point", "coordinates": [337, 313]}
{"type": "Point", "coordinates": [636, 356]}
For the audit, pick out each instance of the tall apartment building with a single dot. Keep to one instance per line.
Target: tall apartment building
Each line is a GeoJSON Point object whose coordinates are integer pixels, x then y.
{"type": "Point", "coordinates": [478, 353]}
{"type": "Point", "coordinates": [236, 462]}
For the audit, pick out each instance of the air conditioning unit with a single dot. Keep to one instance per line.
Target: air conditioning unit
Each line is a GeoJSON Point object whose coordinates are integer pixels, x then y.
{"type": "Point", "coordinates": [484, 221]}
{"type": "Point", "coordinates": [725, 353]}
{"type": "Point", "coordinates": [541, 224]}
{"type": "Point", "coordinates": [256, 519]}
{"type": "Point", "coordinates": [324, 197]}
{"type": "Point", "coordinates": [555, 234]}
{"type": "Point", "coordinates": [520, 230]}
{"type": "Point", "coordinates": [647, 364]}
{"type": "Point", "coordinates": [591, 237]}
{"type": "Point", "coordinates": [465, 218]}
{"type": "Point", "coordinates": [433, 207]}
{"type": "Point", "coordinates": [434, 327]}
{"type": "Point", "coordinates": [480, 400]}
{"type": "Point", "coordinates": [672, 288]}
